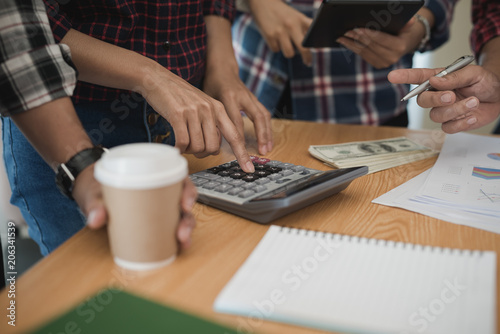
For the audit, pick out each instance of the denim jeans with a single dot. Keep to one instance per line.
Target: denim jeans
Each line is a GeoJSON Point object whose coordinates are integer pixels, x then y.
{"type": "Point", "coordinates": [51, 217]}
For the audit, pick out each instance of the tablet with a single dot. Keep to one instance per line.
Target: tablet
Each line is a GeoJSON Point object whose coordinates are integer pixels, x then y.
{"type": "Point", "coordinates": [336, 17]}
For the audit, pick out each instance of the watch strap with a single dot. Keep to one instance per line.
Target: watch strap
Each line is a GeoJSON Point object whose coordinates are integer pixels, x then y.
{"type": "Point", "coordinates": [67, 172]}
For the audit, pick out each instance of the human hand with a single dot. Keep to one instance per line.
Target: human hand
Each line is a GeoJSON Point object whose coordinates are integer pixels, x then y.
{"type": "Point", "coordinates": [226, 86]}
{"type": "Point", "coordinates": [187, 222]}
{"type": "Point", "coordinates": [198, 120]}
{"type": "Point", "coordinates": [464, 100]}
{"type": "Point", "coordinates": [381, 49]}
{"type": "Point", "coordinates": [282, 27]}
{"type": "Point", "coordinates": [87, 193]}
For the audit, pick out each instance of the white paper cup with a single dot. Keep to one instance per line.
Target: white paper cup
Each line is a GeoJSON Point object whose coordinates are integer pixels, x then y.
{"type": "Point", "coordinates": [142, 188]}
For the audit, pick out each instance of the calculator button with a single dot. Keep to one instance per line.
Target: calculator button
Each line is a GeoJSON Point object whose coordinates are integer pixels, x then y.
{"type": "Point", "coordinates": [274, 163]}
{"type": "Point", "coordinates": [286, 172]}
{"type": "Point", "coordinates": [235, 191]}
{"type": "Point", "coordinates": [253, 158]}
{"type": "Point", "coordinates": [273, 169]}
{"type": "Point", "coordinates": [263, 180]}
{"type": "Point", "coordinates": [226, 165]}
{"type": "Point", "coordinates": [224, 179]}
{"type": "Point", "coordinates": [298, 168]}
{"type": "Point", "coordinates": [262, 173]}
{"type": "Point", "coordinates": [305, 172]}
{"type": "Point", "coordinates": [224, 173]}
{"type": "Point", "coordinates": [235, 169]}
{"type": "Point", "coordinates": [259, 167]}
{"type": "Point", "coordinates": [283, 180]}
{"type": "Point", "coordinates": [286, 165]}
{"type": "Point", "coordinates": [274, 177]}
{"type": "Point", "coordinates": [236, 182]}
{"type": "Point", "coordinates": [248, 185]}
{"type": "Point", "coordinates": [237, 175]}
{"type": "Point", "coordinates": [223, 188]}
{"type": "Point", "coordinates": [246, 193]}
{"type": "Point", "coordinates": [250, 177]}
{"type": "Point", "coordinates": [199, 181]}
{"type": "Point", "coordinates": [211, 185]}
{"type": "Point", "coordinates": [259, 189]}
{"type": "Point", "coordinates": [208, 176]}
{"type": "Point", "coordinates": [262, 161]}
{"type": "Point", "coordinates": [214, 170]}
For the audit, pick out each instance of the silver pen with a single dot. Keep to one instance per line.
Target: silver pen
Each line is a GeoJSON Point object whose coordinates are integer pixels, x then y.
{"type": "Point", "coordinates": [455, 66]}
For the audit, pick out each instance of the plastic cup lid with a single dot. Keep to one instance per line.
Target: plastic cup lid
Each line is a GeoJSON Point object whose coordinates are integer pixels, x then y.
{"type": "Point", "coordinates": [141, 166]}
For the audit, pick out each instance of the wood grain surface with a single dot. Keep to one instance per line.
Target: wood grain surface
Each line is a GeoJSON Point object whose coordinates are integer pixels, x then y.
{"type": "Point", "coordinates": [221, 242]}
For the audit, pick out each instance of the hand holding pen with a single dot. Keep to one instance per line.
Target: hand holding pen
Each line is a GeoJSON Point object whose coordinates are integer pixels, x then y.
{"type": "Point", "coordinates": [455, 66]}
{"type": "Point", "coordinates": [465, 98]}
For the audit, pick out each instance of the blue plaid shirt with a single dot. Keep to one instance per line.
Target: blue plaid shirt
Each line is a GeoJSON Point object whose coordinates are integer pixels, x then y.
{"type": "Point", "coordinates": [340, 87]}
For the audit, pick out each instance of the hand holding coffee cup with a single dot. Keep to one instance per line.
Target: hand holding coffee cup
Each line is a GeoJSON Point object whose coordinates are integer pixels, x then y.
{"type": "Point", "coordinates": [142, 188]}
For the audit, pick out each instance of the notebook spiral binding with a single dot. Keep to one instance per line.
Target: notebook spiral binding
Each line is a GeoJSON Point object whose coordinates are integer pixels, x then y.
{"type": "Point", "coordinates": [382, 242]}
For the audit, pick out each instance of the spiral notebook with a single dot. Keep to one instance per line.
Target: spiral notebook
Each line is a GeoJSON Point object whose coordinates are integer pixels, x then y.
{"type": "Point", "coordinates": [357, 285]}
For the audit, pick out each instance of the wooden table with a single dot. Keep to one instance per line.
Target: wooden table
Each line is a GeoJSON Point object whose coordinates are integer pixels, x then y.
{"type": "Point", "coordinates": [221, 242]}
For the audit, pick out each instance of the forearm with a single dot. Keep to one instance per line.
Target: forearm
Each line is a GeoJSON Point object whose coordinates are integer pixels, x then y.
{"type": "Point", "coordinates": [54, 130]}
{"type": "Point", "coordinates": [220, 53]}
{"type": "Point", "coordinates": [109, 65]}
{"type": "Point", "coordinates": [490, 56]}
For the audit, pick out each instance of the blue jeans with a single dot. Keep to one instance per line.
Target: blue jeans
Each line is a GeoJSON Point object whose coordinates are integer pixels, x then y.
{"type": "Point", "coordinates": [51, 217]}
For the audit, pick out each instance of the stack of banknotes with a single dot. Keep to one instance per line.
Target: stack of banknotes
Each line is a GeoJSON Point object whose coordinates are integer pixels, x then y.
{"type": "Point", "coordinates": [376, 154]}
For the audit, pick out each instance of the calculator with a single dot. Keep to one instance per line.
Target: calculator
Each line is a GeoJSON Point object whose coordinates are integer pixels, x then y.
{"type": "Point", "coordinates": [275, 188]}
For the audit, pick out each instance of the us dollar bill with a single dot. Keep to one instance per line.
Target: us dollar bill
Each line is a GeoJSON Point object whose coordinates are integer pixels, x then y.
{"type": "Point", "coordinates": [337, 153]}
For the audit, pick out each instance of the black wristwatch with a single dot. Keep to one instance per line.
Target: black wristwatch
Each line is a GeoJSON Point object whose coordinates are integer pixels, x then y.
{"type": "Point", "coordinates": [67, 172]}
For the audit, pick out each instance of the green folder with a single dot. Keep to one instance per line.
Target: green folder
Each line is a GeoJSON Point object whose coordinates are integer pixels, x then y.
{"type": "Point", "coordinates": [115, 311]}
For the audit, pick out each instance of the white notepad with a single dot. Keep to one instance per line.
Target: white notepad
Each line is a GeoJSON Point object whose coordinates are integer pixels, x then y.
{"type": "Point", "coordinates": [358, 285]}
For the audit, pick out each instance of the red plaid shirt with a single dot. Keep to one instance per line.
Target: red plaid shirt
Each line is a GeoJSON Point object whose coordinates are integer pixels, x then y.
{"type": "Point", "coordinates": [486, 20]}
{"type": "Point", "coordinates": [170, 32]}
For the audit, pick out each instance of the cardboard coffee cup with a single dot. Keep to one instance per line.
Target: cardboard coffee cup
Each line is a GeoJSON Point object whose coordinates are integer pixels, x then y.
{"type": "Point", "coordinates": [142, 188]}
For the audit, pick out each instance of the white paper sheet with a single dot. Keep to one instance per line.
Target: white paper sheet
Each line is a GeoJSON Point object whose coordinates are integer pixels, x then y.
{"type": "Point", "coordinates": [463, 187]}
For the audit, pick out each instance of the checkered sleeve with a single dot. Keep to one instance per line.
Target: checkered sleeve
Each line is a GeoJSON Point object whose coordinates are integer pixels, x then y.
{"type": "Point", "coordinates": [59, 23]}
{"type": "Point", "coordinates": [443, 14]}
{"type": "Point", "coordinates": [224, 8]}
{"type": "Point", "coordinates": [486, 20]}
{"type": "Point", "coordinates": [33, 69]}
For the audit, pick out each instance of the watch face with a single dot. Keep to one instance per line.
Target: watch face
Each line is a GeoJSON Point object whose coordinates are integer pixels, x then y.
{"type": "Point", "coordinates": [63, 182]}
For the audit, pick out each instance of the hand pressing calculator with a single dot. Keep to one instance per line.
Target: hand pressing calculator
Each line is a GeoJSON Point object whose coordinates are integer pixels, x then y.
{"type": "Point", "coordinates": [275, 188]}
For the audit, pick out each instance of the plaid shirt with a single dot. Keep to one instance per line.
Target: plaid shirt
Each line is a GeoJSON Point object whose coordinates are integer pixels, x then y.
{"type": "Point", "coordinates": [33, 69]}
{"type": "Point", "coordinates": [486, 20]}
{"type": "Point", "coordinates": [340, 87]}
{"type": "Point", "coordinates": [170, 32]}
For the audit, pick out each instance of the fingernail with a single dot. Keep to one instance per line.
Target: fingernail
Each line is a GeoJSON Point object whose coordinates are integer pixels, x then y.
{"type": "Point", "coordinates": [446, 98]}
{"type": "Point", "coordinates": [263, 149]}
{"type": "Point", "coordinates": [184, 234]}
{"type": "Point", "coordinates": [349, 34]}
{"type": "Point", "coordinates": [440, 78]}
{"type": "Point", "coordinates": [250, 167]}
{"type": "Point", "coordinates": [471, 120]}
{"type": "Point", "coordinates": [269, 147]}
{"type": "Point", "coordinates": [190, 203]}
{"type": "Point", "coordinates": [91, 217]}
{"type": "Point", "coordinates": [472, 103]}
